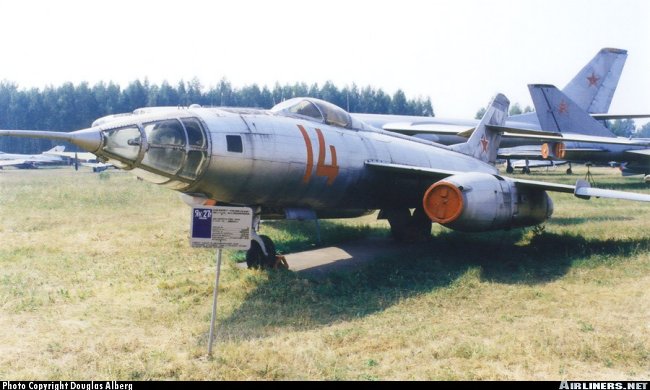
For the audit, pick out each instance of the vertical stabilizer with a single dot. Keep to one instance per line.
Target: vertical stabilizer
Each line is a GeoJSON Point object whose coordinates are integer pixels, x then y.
{"type": "Point", "coordinates": [484, 143]}
{"type": "Point", "coordinates": [557, 112]}
{"type": "Point", "coordinates": [592, 89]}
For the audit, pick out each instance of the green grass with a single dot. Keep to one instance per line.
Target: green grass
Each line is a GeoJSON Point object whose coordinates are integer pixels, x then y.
{"type": "Point", "coordinates": [97, 280]}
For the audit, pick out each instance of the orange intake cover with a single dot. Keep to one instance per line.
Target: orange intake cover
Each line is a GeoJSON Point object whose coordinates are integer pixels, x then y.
{"type": "Point", "coordinates": [544, 150]}
{"type": "Point", "coordinates": [443, 202]}
{"type": "Point", "coordinates": [559, 149]}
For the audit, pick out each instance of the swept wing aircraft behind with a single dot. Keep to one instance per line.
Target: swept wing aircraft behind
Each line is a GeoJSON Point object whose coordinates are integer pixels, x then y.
{"type": "Point", "coordinates": [559, 113]}
{"type": "Point", "coordinates": [31, 160]}
{"type": "Point", "coordinates": [592, 89]}
{"type": "Point", "coordinates": [307, 158]}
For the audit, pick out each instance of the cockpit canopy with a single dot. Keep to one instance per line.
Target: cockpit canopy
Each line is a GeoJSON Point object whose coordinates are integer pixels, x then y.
{"type": "Point", "coordinates": [320, 111]}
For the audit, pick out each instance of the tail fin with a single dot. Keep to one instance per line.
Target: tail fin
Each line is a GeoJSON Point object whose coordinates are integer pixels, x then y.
{"type": "Point", "coordinates": [557, 112]}
{"type": "Point", "coordinates": [484, 142]}
{"type": "Point", "coordinates": [593, 87]}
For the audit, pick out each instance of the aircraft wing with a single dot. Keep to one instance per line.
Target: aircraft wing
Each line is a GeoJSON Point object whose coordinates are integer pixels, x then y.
{"type": "Point", "coordinates": [537, 163]}
{"type": "Point", "coordinates": [582, 189]}
{"type": "Point", "coordinates": [525, 154]}
{"type": "Point", "coordinates": [513, 132]}
{"type": "Point", "coordinates": [411, 128]}
{"type": "Point", "coordinates": [82, 156]}
{"type": "Point", "coordinates": [643, 152]}
{"type": "Point", "coordinates": [536, 154]}
{"type": "Point", "coordinates": [9, 163]}
{"type": "Point", "coordinates": [410, 170]}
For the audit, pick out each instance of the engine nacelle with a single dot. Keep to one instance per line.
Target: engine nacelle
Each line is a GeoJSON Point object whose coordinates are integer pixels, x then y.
{"type": "Point", "coordinates": [477, 202]}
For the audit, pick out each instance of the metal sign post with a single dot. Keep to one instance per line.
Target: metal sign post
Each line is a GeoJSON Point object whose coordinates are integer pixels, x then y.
{"type": "Point", "coordinates": [214, 303]}
{"type": "Point", "coordinates": [220, 227]}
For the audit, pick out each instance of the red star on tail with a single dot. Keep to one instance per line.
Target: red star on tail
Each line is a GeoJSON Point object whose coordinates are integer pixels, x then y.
{"type": "Point", "coordinates": [593, 79]}
{"type": "Point", "coordinates": [484, 143]}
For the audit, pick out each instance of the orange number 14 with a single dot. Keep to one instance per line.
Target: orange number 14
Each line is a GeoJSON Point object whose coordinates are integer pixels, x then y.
{"type": "Point", "coordinates": [330, 171]}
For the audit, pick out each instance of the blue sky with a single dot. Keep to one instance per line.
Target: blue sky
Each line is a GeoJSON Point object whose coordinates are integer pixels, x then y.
{"type": "Point", "coordinates": [459, 53]}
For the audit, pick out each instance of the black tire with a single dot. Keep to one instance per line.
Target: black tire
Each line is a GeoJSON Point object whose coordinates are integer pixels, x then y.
{"type": "Point", "coordinates": [269, 260]}
{"type": "Point", "coordinates": [399, 223]}
{"type": "Point", "coordinates": [569, 171]}
{"type": "Point", "coordinates": [421, 225]}
{"type": "Point", "coordinates": [405, 227]}
{"type": "Point", "coordinates": [255, 257]}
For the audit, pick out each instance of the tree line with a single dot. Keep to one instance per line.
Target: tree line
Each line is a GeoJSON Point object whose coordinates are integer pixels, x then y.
{"type": "Point", "coordinates": [71, 107]}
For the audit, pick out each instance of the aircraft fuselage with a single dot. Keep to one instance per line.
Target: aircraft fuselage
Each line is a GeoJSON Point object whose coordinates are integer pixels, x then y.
{"type": "Point", "coordinates": [253, 157]}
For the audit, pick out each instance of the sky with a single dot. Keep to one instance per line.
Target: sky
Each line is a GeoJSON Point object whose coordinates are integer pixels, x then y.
{"type": "Point", "coordinates": [459, 53]}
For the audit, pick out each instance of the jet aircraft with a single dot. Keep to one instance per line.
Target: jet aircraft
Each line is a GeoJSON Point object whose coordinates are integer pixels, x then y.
{"type": "Point", "coordinates": [558, 113]}
{"type": "Point", "coordinates": [592, 88]}
{"type": "Point", "coordinates": [306, 158]}
{"type": "Point", "coordinates": [31, 161]}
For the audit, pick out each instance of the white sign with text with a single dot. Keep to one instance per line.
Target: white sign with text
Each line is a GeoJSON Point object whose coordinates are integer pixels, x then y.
{"type": "Point", "coordinates": [221, 227]}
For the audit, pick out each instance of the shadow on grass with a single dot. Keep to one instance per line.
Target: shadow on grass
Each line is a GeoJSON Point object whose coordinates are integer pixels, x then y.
{"type": "Point", "coordinates": [302, 235]}
{"type": "Point", "coordinates": [289, 300]}
{"type": "Point", "coordinates": [567, 221]}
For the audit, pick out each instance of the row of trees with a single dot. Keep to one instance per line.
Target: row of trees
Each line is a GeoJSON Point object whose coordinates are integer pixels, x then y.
{"type": "Point", "coordinates": [71, 107]}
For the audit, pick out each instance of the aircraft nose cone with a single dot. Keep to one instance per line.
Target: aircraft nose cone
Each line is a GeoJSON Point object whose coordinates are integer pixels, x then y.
{"type": "Point", "coordinates": [87, 139]}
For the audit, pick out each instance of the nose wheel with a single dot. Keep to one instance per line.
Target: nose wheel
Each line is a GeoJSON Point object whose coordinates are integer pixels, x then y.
{"type": "Point", "coordinates": [259, 257]}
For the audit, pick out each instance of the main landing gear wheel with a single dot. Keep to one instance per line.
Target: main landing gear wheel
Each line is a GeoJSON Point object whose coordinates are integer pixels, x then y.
{"type": "Point", "coordinates": [509, 168]}
{"type": "Point", "coordinates": [255, 257]}
{"type": "Point", "coordinates": [405, 227]}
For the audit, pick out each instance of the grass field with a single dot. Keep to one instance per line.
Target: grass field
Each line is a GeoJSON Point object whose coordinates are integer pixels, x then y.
{"type": "Point", "coordinates": [97, 281]}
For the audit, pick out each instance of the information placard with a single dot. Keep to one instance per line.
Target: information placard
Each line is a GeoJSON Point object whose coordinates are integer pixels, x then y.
{"type": "Point", "coordinates": [221, 227]}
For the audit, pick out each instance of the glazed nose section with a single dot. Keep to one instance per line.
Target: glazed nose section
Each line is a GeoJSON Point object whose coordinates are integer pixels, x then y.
{"type": "Point", "coordinates": [122, 143]}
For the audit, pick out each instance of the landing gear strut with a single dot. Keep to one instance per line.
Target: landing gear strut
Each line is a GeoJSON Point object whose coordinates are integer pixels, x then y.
{"type": "Point", "coordinates": [526, 170]}
{"type": "Point", "coordinates": [509, 168]}
{"type": "Point", "coordinates": [405, 227]}
{"type": "Point", "coordinates": [262, 252]}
